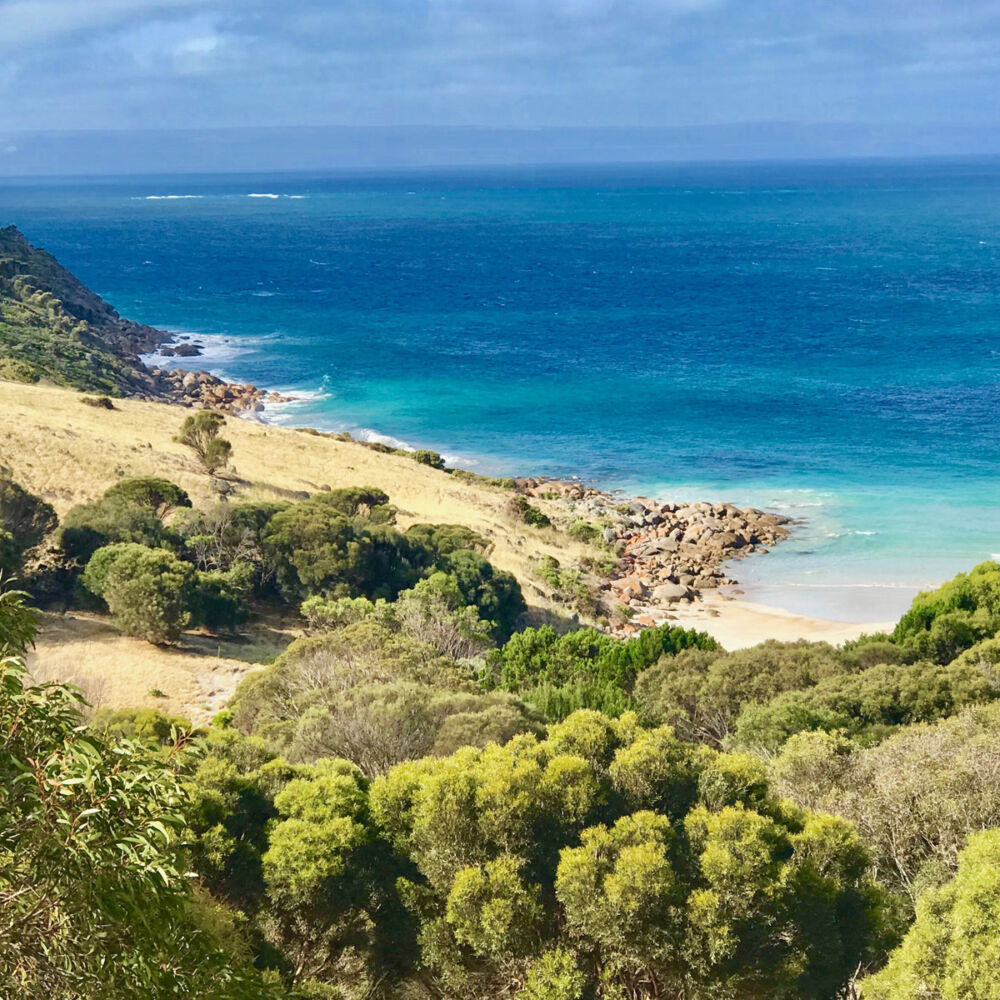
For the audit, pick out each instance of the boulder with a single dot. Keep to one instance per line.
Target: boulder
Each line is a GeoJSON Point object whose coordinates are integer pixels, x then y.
{"type": "Point", "coordinates": [671, 592]}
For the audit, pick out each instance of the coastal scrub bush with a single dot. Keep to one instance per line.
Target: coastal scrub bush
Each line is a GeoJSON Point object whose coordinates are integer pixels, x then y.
{"type": "Point", "coordinates": [520, 510]}
{"type": "Point", "coordinates": [866, 705]}
{"type": "Point", "coordinates": [953, 948]}
{"type": "Point", "coordinates": [585, 668]}
{"type": "Point", "coordinates": [342, 543]}
{"type": "Point", "coordinates": [98, 402]}
{"type": "Point", "coordinates": [149, 592]}
{"type": "Point", "coordinates": [426, 457]}
{"type": "Point", "coordinates": [200, 433]}
{"type": "Point", "coordinates": [25, 520]}
{"type": "Point", "coordinates": [133, 510]}
{"type": "Point", "coordinates": [942, 623]}
{"type": "Point", "coordinates": [586, 531]}
{"type": "Point", "coordinates": [219, 599]}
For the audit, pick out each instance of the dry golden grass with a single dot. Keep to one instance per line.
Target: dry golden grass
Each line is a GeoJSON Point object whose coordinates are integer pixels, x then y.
{"type": "Point", "coordinates": [68, 453]}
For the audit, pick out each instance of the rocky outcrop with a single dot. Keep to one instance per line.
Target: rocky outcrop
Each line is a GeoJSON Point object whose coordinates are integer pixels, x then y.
{"type": "Point", "coordinates": [668, 553]}
{"type": "Point", "coordinates": [211, 392]}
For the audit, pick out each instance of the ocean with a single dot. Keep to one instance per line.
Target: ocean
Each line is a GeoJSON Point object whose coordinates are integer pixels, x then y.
{"type": "Point", "coordinates": [819, 339]}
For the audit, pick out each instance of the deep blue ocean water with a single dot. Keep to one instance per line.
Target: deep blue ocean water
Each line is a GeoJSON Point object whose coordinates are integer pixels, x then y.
{"type": "Point", "coordinates": [821, 339]}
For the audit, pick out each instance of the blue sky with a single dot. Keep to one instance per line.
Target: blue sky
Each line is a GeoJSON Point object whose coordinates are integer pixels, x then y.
{"type": "Point", "coordinates": [112, 64]}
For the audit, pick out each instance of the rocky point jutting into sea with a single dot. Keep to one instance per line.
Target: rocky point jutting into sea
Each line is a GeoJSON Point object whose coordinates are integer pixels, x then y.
{"type": "Point", "coordinates": [668, 553]}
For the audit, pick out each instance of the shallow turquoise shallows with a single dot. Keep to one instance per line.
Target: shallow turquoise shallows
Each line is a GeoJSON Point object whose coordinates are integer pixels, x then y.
{"type": "Point", "coordinates": [823, 339]}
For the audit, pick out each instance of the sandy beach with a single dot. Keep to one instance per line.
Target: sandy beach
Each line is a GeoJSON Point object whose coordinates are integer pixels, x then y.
{"type": "Point", "coordinates": [738, 623]}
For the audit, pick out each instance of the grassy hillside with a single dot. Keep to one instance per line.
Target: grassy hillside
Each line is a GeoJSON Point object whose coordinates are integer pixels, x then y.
{"type": "Point", "coordinates": [67, 453]}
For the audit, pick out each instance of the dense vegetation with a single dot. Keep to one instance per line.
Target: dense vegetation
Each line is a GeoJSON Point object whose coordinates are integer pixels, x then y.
{"type": "Point", "coordinates": [51, 325]}
{"type": "Point", "coordinates": [422, 797]}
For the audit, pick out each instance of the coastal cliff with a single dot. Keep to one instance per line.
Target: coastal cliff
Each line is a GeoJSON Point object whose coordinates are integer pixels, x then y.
{"type": "Point", "coordinates": [54, 328]}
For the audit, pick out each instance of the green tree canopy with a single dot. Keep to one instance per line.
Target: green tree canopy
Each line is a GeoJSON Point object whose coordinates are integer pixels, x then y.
{"type": "Point", "coordinates": [200, 433]}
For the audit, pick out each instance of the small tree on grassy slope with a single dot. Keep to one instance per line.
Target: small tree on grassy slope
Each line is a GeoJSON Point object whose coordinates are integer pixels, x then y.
{"type": "Point", "coordinates": [200, 432]}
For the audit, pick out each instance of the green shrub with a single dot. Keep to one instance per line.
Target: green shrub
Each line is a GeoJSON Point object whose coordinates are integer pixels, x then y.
{"type": "Point", "coordinates": [16, 370]}
{"type": "Point", "coordinates": [99, 402]}
{"type": "Point", "coordinates": [150, 592]}
{"type": "Point", "coordinates": [585, 531]}
{"type": "Point", "coordinates": [520, 510]}
{"type": "Point", "coordinates": [132, 510]}
{"type": "Point", "coordinates": [942, 623]}
{"type": "Point", "coordinates": [200, 433]}
{"type": "Point", "coordinates": [585, 668]}
{"type": "Point", "coordinates": [220, 598]}
{"type": "Point", "coordinates": [425, 457]}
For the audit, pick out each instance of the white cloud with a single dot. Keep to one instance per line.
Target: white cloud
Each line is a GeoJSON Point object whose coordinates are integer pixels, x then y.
{"type": "Point", "coordinates": [29, 23]}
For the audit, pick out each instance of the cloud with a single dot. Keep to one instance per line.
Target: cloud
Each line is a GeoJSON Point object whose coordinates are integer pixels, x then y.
{"type": "Point", "coordinates": [128, 63]}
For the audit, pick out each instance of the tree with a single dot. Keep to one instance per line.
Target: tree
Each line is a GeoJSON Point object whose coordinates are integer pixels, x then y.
{"type": "Point", "coordinates": [133, 510]}
{"type": "Point", "coordinates": [24, 521]}
{"type": "Point", "coordinates": [952, 951]}
{"type": "Point", "coordinates": [200, 432]}
{"type": "Point", "coordinates": [93, 896]}
{"type": "Point", "coordinates": [150, 592]}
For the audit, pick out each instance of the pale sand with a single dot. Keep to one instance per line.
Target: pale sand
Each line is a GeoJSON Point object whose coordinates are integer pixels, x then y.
{"type": "Point", "coordinates": [737, 623]}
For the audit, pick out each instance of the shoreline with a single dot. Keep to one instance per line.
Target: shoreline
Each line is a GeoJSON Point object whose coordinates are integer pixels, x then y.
{"type": "Point", "coordinates": [654, 590]}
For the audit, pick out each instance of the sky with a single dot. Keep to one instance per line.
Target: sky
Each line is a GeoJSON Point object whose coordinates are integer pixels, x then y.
{"type": "Point", "coordinates": [124, 65]}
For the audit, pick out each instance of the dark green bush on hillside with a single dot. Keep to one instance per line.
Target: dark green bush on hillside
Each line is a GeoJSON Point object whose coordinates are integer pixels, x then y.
{"type": "Point", "coordinates": [519, 509]}
{"type": "Point", "coordinates": [426, 457]}
{"type": "Point", "coordinates": [24, 521]}
{"type": "Point", "coordinates": [343, 544]}
{"type": "Point", "coordinates": [150, 592]}
{"type": "Point", "coordinates": [585, 668]}
{"type": "Point", "coordinates": [130, 511]}
{"type": "Point", "coordinates": [865, 705]}
{"type": "Point", "coordinates": [219, 599]}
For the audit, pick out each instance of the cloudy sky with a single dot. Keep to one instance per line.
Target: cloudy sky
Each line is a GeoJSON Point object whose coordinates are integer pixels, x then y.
{"type": "Point", "coordinates": [102, 64]}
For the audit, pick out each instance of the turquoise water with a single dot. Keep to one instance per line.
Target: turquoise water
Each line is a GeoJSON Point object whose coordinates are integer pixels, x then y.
{"type": "Point", "coordinates": [820, 339]}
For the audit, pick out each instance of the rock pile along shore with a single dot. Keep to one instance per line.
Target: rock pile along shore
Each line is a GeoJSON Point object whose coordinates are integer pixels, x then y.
{"type": "Point", "coordinates": [668, 552]}
{"type": "Point", "coordinates": [206, 390]}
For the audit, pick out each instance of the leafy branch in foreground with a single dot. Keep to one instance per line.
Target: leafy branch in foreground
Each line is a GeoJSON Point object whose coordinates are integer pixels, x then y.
{"type": "Point", "coordinates": [93, 898]}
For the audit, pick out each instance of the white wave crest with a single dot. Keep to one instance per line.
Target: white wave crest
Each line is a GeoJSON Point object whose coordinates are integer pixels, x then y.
{"type": "Point", "coordinates": [263, 195]}
{"type": "Point", "coordinates": [171, 197]}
